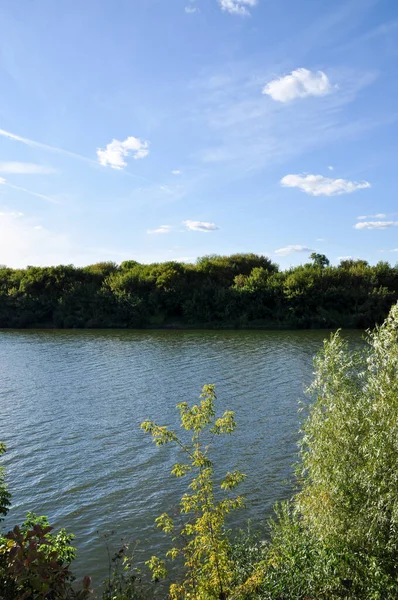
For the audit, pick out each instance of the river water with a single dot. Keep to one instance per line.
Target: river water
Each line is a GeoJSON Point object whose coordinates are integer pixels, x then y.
{"type": "Point", "coordinates": [71, 404]}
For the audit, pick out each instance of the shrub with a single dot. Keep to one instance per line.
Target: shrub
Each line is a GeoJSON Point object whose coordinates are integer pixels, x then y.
{"type": "Point", "coordinates": [35, 563]}
{"type": "Point", "coordinates": [338, 538]}
{"type": "Point", "coordinates": [201, 538]}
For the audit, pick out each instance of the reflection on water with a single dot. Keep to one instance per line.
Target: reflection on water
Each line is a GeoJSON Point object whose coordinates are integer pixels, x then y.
{"type": "Point", "coordinates": [72, 403]}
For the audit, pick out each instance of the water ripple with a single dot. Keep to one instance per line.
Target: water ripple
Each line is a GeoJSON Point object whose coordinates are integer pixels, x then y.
{"type": "Point", "coordinates": [71, 406]}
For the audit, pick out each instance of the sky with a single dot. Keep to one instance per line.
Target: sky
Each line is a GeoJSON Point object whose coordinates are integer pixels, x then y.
{"type": "Point", "coordinates": [161, 130]}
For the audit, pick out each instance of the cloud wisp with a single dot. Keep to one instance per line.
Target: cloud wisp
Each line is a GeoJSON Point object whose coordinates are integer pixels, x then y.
{"type": "Point", "coordinates": [377, 216]}
{"type": "Point", "coordinates": [116, 151]}
{"type": "Point", "coordinates": [375, 224]}
{"type": "Point", "coordinates": [318, 185]}
{"type": "Point", "coordinates": [161, 229]}
{"type": "Point", "coordinates": [291, 249]}
{"type": "Point", "coordinates": [200, 226]}
{"type": "Point", "coordinates": [301, 83]}
{"type": "Point", "coordinates": [22, 168]}
{"type": "Point", "coordinates": [252, 132]}
{"type": "Point", "coordinates": [237, 7]}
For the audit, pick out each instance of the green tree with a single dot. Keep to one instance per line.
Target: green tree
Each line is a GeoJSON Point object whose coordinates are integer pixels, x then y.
{"type": "Point", "coordinates": [349, 449]}
{"type": "Point", "coordinates": [319, 260]}
{"type": "Point", "coordinates": [338, 538]}
{"type": "Point", "coordinates": [241, 290]}
{"type": "Point", "coordinates": [202, 538]}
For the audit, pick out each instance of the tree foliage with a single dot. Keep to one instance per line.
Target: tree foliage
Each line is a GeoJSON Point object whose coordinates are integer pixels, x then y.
{"type": "Point", "coordinates": [241, 290]}
{"type": "Point", "coordinates": [199, 533]}
{"type": "Point", "coordinates": [338, 538]}
{"type": "Point", "coordinates": [319, 260]}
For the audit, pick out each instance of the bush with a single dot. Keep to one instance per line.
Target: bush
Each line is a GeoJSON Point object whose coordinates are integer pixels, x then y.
{"type": "Point", "coordinates": [199, 534]}
{"type": "Point", "coordinates": [124, 579]}
{"type": "Point", "coordinates": [338, 538]}
{"type": "Point", "coordinates": [35, 563]}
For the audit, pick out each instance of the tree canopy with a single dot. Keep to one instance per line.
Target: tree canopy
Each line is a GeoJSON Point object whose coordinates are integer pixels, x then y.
{"type": "Point", "coordinates": [237, 291]}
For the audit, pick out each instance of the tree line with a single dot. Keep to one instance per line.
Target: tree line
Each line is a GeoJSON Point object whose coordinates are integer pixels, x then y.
{"type": "Point", "coordinates": [237, 291]}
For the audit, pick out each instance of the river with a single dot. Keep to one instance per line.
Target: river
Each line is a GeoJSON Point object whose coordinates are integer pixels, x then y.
{"type": "Point", "coordinates": [71, 407]}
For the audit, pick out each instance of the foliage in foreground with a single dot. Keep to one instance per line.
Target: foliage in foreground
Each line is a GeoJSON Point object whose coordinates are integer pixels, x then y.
{"type": "Point", "coordinates": [35, 563]}
{"type": "Point", "coordinates": [199, 533]}
{"type": "Point", "coordinates": [124, 579]}
{"type": "Point", "coordinates": [338, 538]}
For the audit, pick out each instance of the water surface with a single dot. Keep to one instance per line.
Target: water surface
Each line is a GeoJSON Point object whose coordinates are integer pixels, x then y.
{"type": "Point", "coordinates": [72, 403]}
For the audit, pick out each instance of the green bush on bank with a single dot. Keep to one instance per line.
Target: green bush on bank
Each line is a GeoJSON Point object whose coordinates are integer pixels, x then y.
{"type": "Point", "coordinates": [338, 537]}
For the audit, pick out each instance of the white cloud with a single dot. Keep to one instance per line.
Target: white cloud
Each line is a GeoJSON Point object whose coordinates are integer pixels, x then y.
{"type": "Point", "coordinates": [330, 168]}
{"type": "Point", "coordinates": [320, 239]}
{"type": "Point", "coordinates": [299, 84]}
{"type": "Point", "coordinates": [378, 216]}
{"type": "Point", "coordinates": [237, 7]}
{"type": "Point", "coordinates": [292, 248]}
{"type": "Point", "coordinates": [25, 168]}
{"type": "Point", "coordinates": [318, 185]}
{"type": "Point", "coordinates": [248, 132]}
{"type": "Point", "coordinates": [176, 172]}
{"type": "Point", "coordinates": [190, 10]}
{"type": "Point", "coordinates": [116, 151]}
{"type": "Point", "coordinates": [200, 226]}
{"type": "Point", "coordinates": [375, 224]}
{"type": "Point", "coordinates": [161, 229]}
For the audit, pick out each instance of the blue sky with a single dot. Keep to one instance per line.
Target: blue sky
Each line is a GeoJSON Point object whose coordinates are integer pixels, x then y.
{"type": "Point", "coordinates": [165, 130]}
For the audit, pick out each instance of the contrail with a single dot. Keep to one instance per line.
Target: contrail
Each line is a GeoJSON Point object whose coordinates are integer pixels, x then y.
{"type": "Point", "coordinates": [34, 144]}
{"type": "Point", "coordinates": [22, 189]}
